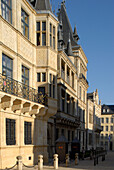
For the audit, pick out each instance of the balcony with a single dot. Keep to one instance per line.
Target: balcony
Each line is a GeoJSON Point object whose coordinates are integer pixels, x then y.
{"type": "Point", "coordinates": [13, 87]}
{"type": "Point", "coordinates": [83, 77]}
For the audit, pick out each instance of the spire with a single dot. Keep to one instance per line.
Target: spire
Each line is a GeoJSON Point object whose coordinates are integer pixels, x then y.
{"type": "Point", "coordinates": [62, 14]}
{"type": "Point", "coordinates": [75, 35]}
{"type": "Point", "coordinates": [60, 35]}
{"type": "Point", "coordinates": [69, 47]}
{"type": "Point", "coordinates": [43, 5]}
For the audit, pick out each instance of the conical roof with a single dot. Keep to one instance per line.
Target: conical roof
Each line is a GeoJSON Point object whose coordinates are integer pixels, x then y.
{"type": "Point", "coordinates": [66, 26]}
{"type": "Point", "coordinates": [43, 5]}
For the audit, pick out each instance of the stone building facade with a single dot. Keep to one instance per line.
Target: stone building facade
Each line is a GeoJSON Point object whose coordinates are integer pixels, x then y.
{"type": "Point", "coordinates": [28, 57]}
{"type": "Point", "coordinates": [71, 83]}
{"type": "Point", "coordinates": [43, 82]}
{"type": "Point", "coordinates": [93, 120]}
{"type": "Point", "coordinates": [107, 123]}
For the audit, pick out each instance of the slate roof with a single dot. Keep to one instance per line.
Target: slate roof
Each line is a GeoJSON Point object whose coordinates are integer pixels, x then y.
{"type": "Point", "coordinates": [90, 96]}
{"type": "Point", "coordinates": [110, 107]}
{"type": "Point", "coordinates": [69, 48]}
{"type": "Point", "coordinates": [41, 4]}
{"type": "Point", "coordinates": [67, 29]}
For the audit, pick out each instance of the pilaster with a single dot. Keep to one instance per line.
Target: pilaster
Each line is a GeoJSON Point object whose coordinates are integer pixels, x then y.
{"type": "Point", "coordinates": [14, 18]}
{"type": "Point", "coordinates": [18, 16]}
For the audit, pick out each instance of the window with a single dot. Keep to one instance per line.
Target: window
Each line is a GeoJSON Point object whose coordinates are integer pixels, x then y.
{"type": "Point", "coordinates": [68, 103]}
{"type": "Point", "coordinates": [111, 128]}
{"type": "Point", "coordinates": [41, 33]}
{"type": "Point", "coordinates": [106, 128]}
{"type": "Point", "coordinates": [62, 69]}
{"type": "Point", "coordinates": [7, 66]}
{"type": "Point", "coordinates": [80, 92]}
{"type": "Point", "coordinates": [102, 128]}
{"type": "Point", "coordinates": [103, 110]}
{"type": "Point", "coordinates": [54, 86]}
{"type": "Point", "coordinates": [50, 85]}
{"type": "Point", "coordinates": [102, 120]}
{"type": "Point", "coordinates": [72, 80]}
{"type": "Point", "coordinates": [27, 133]}
{"type": "Point", "coordinates": [6, 7]}
{"type": "Point", "coordinates": [101, 136]}
{"type": "Point", "coordinates": [68, 135]}
{"type": "Point", "coordinates": [90, 139]}
{"type": "Point", "coordinates": [53, 37]}
{"type": "Point", "coordinates": [62, 132]}
{"type": "Point", "coordinates": [50, 35]}
{"type": "Point", "coordinates": [108, 110]}
{"type": "Point", "coordinates": [43, 77]}
{"type": "Point", "coordinates": [24, 23]}
{"type": "Point", "coordinates": [106, 120]}
{"type": "Point", "coordinates": [38, 33]}
{"type": "Point", "coordinates": [68, 73]}
{"type": "Point", "coordinates": [72, 135]}
{"type": "Point", "coordinates": [10, 132]}
{"type": "Point", "coordinates": [110, 136]}
{"type": "Point", "coordinates": [25, 75]}
{"type": "Point", "coordinates": [38, 77]}
{"type": "Point", "coordinates": [106, 136]}
{"type": "Point", "coordinates": [63, 99]}
{"type": "Point", "coordinates": [111, 120]}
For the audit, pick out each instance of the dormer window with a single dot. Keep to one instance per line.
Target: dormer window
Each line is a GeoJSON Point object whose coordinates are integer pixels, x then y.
{"type": "Point", "coordinates": [41, 33]}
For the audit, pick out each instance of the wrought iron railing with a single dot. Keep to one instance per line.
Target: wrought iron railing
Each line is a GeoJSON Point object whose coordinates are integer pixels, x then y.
{"type": "Point", "coordinates": [13, 87]}
{"type": "Point", "coordinates": [82, 76]}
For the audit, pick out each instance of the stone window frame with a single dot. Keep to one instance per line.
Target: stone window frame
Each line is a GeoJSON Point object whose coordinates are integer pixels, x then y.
{"type": "Point", "coordinates": [52, 35]}
{"type": "Point", "coordinates": [27, 133]}
{"type": "Point", "coordinates": [40, 31]}
{"type": "Point", "coordinates": [24, 77]}
{"type": "Point", "coordinates": [7, 10]}
{"type": "Point", "coordinates": [25, 23]}
{"type": "Point", "coordinates": [10, 131]}
{"type": "Point", "coordinates": [5, 67]}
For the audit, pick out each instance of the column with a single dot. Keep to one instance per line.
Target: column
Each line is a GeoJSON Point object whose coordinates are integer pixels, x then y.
{"type": "Point", "coordinates": [65, 72]}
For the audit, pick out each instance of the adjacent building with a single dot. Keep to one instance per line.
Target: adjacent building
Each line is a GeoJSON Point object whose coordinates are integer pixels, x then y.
{"type": "Point", "coordinates": [72, 84]}
{"type": "Point", "coordinates": [107, 123]}
{"type": "Point", "coordinates": [93, 120]}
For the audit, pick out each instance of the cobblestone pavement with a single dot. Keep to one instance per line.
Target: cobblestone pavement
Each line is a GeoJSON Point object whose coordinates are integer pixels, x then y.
{"type": "Point", "coordinates": [87, 164]}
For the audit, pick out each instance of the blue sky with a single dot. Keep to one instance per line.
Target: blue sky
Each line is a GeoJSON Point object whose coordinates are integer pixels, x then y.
{"type": "Point", "coordinates": [94, 20]}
